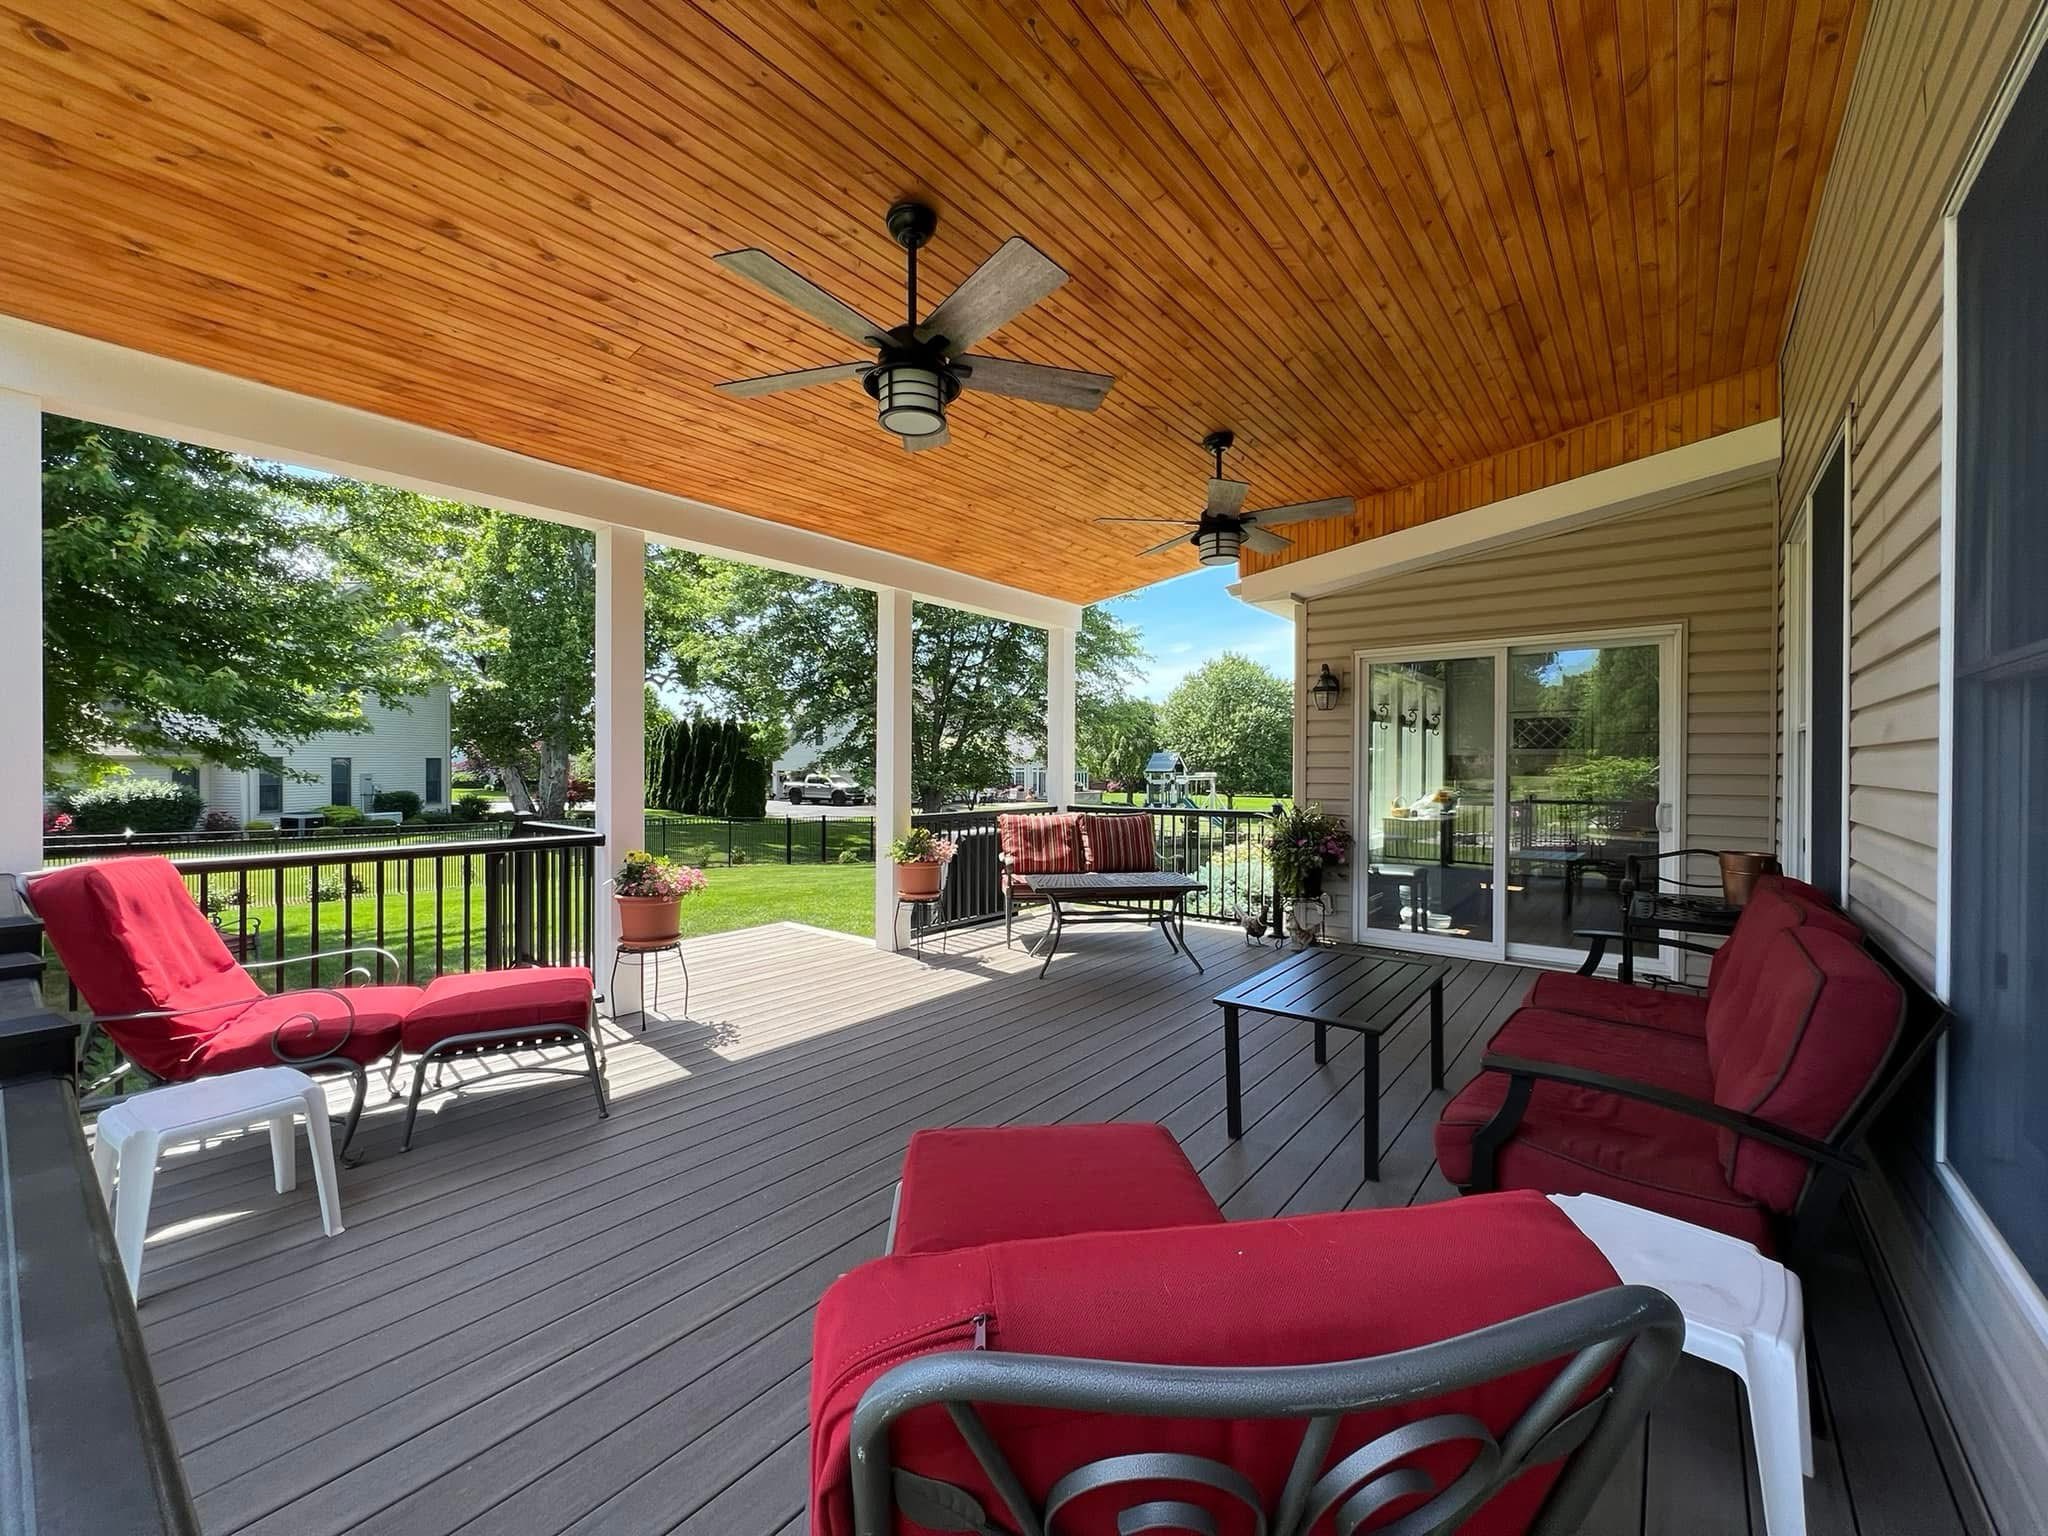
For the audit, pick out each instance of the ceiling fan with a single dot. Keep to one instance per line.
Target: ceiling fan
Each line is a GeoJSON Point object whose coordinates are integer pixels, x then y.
{"type": "Point", "coordinates": [1223, 527]}
{"type": "Point", "coordinates": [921, 367]}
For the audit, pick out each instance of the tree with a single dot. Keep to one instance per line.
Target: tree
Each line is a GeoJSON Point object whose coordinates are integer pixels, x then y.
{"type": "Point", "coordinates": [772, 646]}
{"type": "Point", "coordinates": [1618, 716]}
{"type": "Point", "coordinates": [1115, 739]}
{"type": "Point", "coordinates": [200, 603]}
{"type": "Point", "coordinates": [1234, 718]}
{"type": "Point", "coordinates": [529, 703]}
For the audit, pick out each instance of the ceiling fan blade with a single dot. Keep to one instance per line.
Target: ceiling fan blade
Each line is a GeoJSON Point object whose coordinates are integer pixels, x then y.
{"type": "Point", "coordinates": [1265, 543]}
{"type": "Point", "coordinates": [1069, 387]}
{"type": "Point", "coordinates": [937, 439]}
{"type": "Point", "coordinates": [1178, 522]}
{"type": "Point", "coordinates": [1165, 544]}
{"type": "Point", "coordinates": [1225, 497]}
{"type": "Point", "coordinates": [1013, 279]}
{"type": "Point", "coordinates": [1303, 511]}
{"type": "Point", "coordinates": [801, 378]}
{"type": "Point", "coordinates": [794, 288]}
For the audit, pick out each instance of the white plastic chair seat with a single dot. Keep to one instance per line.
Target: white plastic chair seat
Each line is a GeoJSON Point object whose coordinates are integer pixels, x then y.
{"type": "Point", "coordinates": [1743, 1312]}
{"type": "Point", "coordinates": [130, 1136]}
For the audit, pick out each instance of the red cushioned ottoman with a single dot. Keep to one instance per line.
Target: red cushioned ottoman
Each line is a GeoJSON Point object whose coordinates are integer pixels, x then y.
{"type": "Point", "coordinates": [965, 1187]}
{"type": "Point", "coordinates": [499, 1002]}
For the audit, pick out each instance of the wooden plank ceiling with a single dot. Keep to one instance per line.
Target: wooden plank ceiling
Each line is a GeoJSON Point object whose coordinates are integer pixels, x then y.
{"type": "Point", "coordinates": [1393, 243]}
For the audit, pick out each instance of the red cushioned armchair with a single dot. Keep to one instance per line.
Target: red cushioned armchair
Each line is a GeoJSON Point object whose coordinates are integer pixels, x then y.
{"type": "Point", "coordinates": [163, 987]}
{"type": "Point", "coordinates": [1742, 1110]}
{"type": "Point", "coordinates": [1066, 1335]}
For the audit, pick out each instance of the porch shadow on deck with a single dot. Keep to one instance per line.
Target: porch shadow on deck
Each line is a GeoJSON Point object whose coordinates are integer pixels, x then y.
{"type": "Point", "coordinates": [607, 1324]}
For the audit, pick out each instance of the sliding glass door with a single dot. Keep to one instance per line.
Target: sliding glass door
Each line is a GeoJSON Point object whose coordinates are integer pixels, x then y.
{"type": "Point", "coordinates": [1506, 786]}
{"type": "Point", "coordinates": [1427, 835]}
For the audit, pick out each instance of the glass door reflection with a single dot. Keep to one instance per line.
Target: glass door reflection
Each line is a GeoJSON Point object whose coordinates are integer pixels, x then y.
{"type": "Point", "coordinates": [1429, 824]}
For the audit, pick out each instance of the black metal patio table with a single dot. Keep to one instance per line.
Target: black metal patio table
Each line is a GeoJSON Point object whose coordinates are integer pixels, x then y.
{"type": "Point", "coordinates": [1650, 913]}
{"type": "Point", "coordinates": [1156, 896]}
{"type": "Point", "coordinates": [1345, 987]}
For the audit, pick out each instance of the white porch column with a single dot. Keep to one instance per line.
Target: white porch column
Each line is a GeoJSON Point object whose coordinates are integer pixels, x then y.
{"type": "Point", "coordinates": [621, 734]}
{"type": "Point", "coordinates": [892, 749]}
{"type": "Point", "coordinates": [1297, 786]}
{"type": "Point", "coordinates": [1059, 716]}
{"type": "Point", "coordinates": [21, 600]}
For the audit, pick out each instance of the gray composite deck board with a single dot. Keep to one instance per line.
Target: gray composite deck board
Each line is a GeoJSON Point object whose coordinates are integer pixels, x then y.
{"type": "Point", "coordinates": [544, 1322]}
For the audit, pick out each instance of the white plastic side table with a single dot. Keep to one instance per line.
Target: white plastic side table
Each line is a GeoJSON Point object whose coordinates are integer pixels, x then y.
{"type": "Point", "coordinates": [1742, 1312]}
{"type": "Point", "coordinates": [130, 1135]}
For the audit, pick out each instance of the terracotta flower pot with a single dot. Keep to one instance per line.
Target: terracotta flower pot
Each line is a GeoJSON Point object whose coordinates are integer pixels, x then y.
{"type": "Point", "coordinates": [648, 919]}
{"type": "Point", "coordinates": [917, 882]}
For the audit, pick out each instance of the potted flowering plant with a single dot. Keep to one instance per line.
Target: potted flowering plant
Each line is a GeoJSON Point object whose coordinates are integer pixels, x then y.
{"type": "Point", "coordinates": [1305, 842]}
{"type": "Point", "coordinates": [649, 892]}
{"type": "Point", "coordinates": [919, 856]}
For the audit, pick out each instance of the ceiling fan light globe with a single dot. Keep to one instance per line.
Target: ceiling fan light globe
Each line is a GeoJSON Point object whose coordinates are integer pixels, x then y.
{"type": "Point", "coordinates": [1218, 546]}
{"type": "Point", "coordinates": [909, 401]}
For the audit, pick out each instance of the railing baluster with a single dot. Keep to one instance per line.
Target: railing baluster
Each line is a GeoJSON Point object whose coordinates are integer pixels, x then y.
{"type": "Point", "coordinates": [440, 917]}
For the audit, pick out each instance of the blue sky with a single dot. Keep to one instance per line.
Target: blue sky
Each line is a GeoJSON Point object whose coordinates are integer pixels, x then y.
{"type": "Point", "coordinates": [1189, 619]}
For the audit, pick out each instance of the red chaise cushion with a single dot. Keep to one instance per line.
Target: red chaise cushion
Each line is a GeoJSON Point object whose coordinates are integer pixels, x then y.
{"type": "Point", "coordinates": [1041, 845]}
{"type": "Point", "coordinates": [499, 1002]}
{"type": "Point", "coordinates": [1118, 844]}
{"type": "Point", "coordinates": [245, 1040]}
{"type": "Point", "coordinates": [969, 1186]}
{"type": "Point", "coordinates": [1288, 1291]}
{"type": "Point", "coordinates": [1819, 1024]}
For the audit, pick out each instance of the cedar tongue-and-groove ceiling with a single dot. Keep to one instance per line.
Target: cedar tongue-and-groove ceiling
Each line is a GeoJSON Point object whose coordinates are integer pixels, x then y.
{"type": "Point", "coordinates": [1382, 239]}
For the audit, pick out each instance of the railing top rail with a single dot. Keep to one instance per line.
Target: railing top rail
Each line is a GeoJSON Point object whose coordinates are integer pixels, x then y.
{"type": "Point", "coordinates": [547, 837]}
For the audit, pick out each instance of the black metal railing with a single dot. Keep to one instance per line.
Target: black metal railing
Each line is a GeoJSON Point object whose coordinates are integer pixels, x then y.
{"type": "Point", "coordinates": [454, 905]}
{"type": "Point", "coordinates": [1225, 850]}
{"type": "Point", "coordinates": [715, 840]}
{"type": "Point", "coordinates": [80, 847]}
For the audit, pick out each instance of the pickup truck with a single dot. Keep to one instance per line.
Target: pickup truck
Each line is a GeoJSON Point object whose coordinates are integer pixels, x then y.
{"type": "Point", "coordinates": [827, 789]}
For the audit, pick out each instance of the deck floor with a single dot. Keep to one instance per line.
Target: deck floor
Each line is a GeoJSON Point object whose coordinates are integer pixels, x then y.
{"type": "Point", "coordinates": [538, 1322]}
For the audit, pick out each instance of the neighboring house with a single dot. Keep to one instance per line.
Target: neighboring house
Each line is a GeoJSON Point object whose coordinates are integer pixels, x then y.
{"type": "Point", "coordinates": [406, 747]}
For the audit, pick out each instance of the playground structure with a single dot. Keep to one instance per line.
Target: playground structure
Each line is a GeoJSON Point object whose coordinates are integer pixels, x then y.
{"type": "Point", "coordinates": [1169, 786]}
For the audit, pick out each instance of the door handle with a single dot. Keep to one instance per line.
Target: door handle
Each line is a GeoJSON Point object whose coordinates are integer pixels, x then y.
{"type": "Point", "coordinates": [1664, 820]}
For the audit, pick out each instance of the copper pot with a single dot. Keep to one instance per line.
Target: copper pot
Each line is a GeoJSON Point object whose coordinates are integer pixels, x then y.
{"type": "Point", "coordinates": [1739, 872]}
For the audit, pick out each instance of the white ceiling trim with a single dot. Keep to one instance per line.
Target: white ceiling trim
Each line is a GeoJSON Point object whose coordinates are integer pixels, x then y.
{"type": "Point", "coordinates": [98, 381]}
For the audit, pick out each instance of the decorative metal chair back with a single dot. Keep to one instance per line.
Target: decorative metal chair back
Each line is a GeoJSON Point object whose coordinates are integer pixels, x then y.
{"type": "Point", "coordinates": [1610, 1350]}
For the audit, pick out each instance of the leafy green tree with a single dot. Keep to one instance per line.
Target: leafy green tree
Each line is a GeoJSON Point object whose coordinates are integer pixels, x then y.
{"type": "Point", "coordinates": [198, 603]}
{"type": "Point", "coordinates": [777, 647]}
{"type": "Point", "coordinates": [530, 697]}
{"type": "Point", "coordinates": [1618, 715]}
{"type": "Point", "coordinates": [1114, 739]}
{"type": "Point", "coordinates": [1235, 719]}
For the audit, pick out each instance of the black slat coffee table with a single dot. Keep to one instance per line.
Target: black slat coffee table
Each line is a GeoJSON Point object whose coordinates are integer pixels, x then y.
{"type": "Point", "coordinates": [1348, 987]}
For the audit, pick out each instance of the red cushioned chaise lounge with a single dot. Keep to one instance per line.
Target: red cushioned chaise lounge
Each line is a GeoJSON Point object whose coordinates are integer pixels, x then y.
{"type": "Point", "coordinates": [1740, 1110]}
{"type": "Point", "coordinates": [1066, 1335]}
{"type": "Point", "coordinates": [163, 987]}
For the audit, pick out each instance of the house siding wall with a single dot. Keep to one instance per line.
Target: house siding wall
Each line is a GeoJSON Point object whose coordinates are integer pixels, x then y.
{"type": "Point", "coordinates": [1866, 335]}
{"type": "Point", "coordinates": [393, 752]}
{"type": "Point", "coordinates": [1704, 562]}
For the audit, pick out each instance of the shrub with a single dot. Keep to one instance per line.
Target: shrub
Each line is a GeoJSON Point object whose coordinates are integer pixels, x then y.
{"type": "Point", "coordinates": [737, 856]}
{"type": "Point", "coordinates": [259, 826]}
{"type": "Point", "coordinates": [56, 820]}
{"type": "Point", "coordinates": [330, 887]}
{"type": "Point", "coordinates": [339, 815]}
{"type": "Point", "coordinates": [853, 856]}
{"type": "Point", "coordinates": [469, 810]}
{"type": "Point", "coordinates": [436, 818]}
{"type": "Point", "coordinates": [401, 800]}
{"type": "Point", "coordinates": [220, 821]}
{"type": "Point", "coordinates": [137, 805]}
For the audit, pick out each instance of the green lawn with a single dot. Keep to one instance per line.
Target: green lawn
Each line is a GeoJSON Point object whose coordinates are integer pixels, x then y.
{"type": "Point", "coordinates": [838, 896]}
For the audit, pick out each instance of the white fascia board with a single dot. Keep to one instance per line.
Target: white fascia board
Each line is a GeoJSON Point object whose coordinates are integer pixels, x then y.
{"type": "Point", "coordinates": [121, 387]}
{"type": "Point", "coordinates": [1733, 458]}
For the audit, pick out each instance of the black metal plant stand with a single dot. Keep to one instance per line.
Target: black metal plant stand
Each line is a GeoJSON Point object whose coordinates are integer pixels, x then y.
{"type": "Point", "coordinates": [641, 951]}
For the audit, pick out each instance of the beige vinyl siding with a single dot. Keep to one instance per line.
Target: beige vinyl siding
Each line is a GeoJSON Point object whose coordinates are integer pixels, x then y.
{"type": "Point", "coordinates": [1867, 334]}
{"type": "Point", "coordinates": [1705, 563]}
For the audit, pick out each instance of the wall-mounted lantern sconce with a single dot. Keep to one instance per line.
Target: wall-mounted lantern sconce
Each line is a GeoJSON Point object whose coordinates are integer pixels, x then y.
{"type": "Point", "coordinates": [1326, 688]}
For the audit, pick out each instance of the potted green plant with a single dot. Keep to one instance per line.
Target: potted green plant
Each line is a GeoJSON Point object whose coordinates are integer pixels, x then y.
{"type": "Point", "coordinates": [648, 891]}
{"type": "Point", "coordinates": [1305, 843]}
{"type": "Point", "coordinates": [920, 857]}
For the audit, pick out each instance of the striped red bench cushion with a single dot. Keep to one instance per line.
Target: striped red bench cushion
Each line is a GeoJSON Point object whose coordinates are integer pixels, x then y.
{"type": "Point", "coordinates": [1115, 844]}
{"type": "Point", "coordinates": [1041, 845]}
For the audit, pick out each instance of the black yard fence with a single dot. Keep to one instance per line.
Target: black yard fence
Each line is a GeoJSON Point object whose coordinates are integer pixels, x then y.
{"type": "Point", "coordinates": [715, 840]}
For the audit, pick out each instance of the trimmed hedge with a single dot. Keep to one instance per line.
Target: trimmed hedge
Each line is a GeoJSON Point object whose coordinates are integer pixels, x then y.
{"type": "Point", "coordinates": [403, 800]}
{"type": "Point", "coordinates": [135, 805]}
